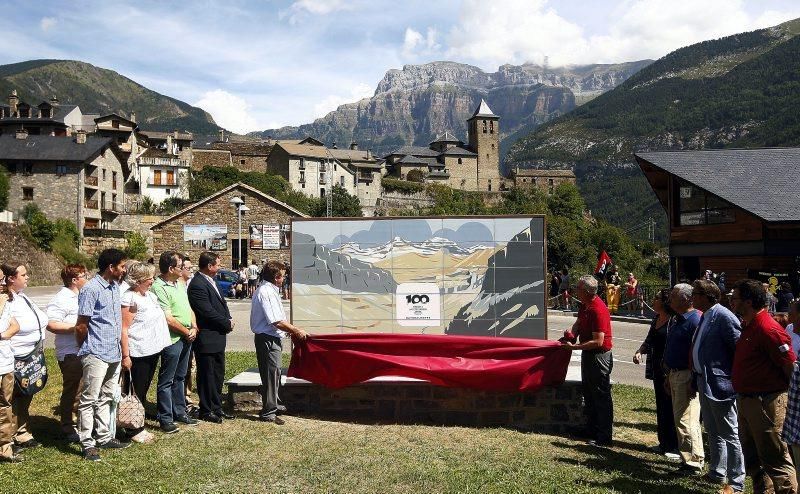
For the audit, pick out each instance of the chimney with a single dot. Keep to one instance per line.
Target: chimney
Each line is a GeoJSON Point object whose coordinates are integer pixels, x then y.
{"type": "Point", "coordinates": [13, 101]}
{"type": "Point", "coordinates": [21, 134]}
{"type": "Point", "coordinates": [369, 154]}
{"type": "Point", "coordinates": [133, 116]}
{"type": "Point", "coordinates": [354, 146]}
{"type": "Point", "coordinates": [54, 101]}
{"type": "Point", "coordinates": [169, 143]}
{"type": "Point", "coordinates": [334, 145]}
{"type": "Point", "coordinates": [80, 136]}
{"type": "Point", "coordinates": [221, 135]}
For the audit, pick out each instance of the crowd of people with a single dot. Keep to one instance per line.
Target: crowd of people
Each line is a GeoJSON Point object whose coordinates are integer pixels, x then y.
{"type": "Point", "coordinates": [248, 280]}
{"type": "Point", "coordinates": [729, 370]}
{"type": "Point", "coordinates": [117, 328]}
{"type": "Point", "coordinates": [611, 290]}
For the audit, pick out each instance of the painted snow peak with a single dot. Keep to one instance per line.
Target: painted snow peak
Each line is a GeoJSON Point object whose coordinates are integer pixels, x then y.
{"type": "Point", "coordinates": [477, 276]}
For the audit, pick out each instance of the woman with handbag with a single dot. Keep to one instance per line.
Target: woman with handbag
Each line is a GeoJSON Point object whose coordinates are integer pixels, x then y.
{"type": "Point", "coordinates": [8, 328]}
{"type": "Point", "coordinates": [144, 322]}
{"type": "Point", "coordinates": [28, 347]}
{"type": "Point", "coordinates": [653, 346]}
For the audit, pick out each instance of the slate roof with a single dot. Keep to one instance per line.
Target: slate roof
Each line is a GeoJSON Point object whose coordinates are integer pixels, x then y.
{"type": "Point", "coordinates": [458, 151]}
{"type": "Point", "coordinates": [314, 151]}
{"type": "Point", "coordinates": [536, 172]}
{"type": "Point", "coordinates": [414, 151]}
{"type": "Point", "coordinates": [202, 158]}
{"type": "Point", "coordinates": [243, 148]}
{"type": "Point", "coordinates": [761, 181]}
{"type": "Point", "coordinates": [483, 110]}
{"type": "Point", "coordinates": [151, 134]}
{"type": "Point", "coordinates": [410, 159]}
{"type": "Point", "coordinates": [48, 148]}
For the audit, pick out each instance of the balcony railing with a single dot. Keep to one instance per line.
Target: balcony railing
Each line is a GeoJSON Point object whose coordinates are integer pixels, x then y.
{"type": "Point", "coordinates": [90, 203]}
{"type": "Point", "coordinates": [323, 179]}
{"type": "Point", "coordinates": [89, 180]}
{"type": "Point", "coordinates": [163, 182]}
{"type": "Point", "coordinates": [163, 162]}
{"type": "Point", "coordinates": [111, 207]}
{"type": "Point", "coordinates": [365, 177]}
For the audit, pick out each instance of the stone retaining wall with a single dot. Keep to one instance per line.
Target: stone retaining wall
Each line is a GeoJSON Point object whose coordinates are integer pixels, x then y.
{"type": "Point", "coordinates": [43, 266]}
{"type": "Point", "coordinates": [552, 409]}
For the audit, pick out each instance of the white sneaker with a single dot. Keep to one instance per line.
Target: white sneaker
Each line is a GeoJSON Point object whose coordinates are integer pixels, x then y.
{"type": "Point", "coordinates": [672, 456]}
{"type": "Point", "coordinates": [143, 437]}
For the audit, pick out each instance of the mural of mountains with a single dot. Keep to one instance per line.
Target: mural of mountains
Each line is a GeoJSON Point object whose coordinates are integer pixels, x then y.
{"type": "Point", "coordinates": [100, 90]}
{"type": "Point", "coordinates": [737, 91]}
{"type": "Point", "coordinates": [415, 104]}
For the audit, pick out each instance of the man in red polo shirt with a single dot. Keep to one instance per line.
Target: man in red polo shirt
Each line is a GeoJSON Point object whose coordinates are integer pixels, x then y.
{"type": "Point", "coordinates": [593, 330]}
{"type": "Point", "coordinates": [762, 366]}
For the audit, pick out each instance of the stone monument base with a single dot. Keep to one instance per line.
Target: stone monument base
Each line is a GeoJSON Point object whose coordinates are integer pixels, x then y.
{"type": "Point", "coordinates": [403, 400]}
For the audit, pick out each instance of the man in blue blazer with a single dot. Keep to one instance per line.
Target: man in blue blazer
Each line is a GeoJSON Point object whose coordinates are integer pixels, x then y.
{"type": "Point", "coordinates": [214, 321]}
{"type": "Point", "coordinates": [712, 360]}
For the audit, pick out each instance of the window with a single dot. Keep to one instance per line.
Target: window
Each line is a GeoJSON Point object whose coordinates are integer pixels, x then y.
{"type": "Point", "coordinates": [491, 129]}
{"type": "Point", "coordinates": [492, 145]}
{"type": "Point", "coordinates": [170, 177]}
{"type": "Point", "coordinates": [115, 124]}
{"type": "Point", "coordinates": [490, 185]}
{"type": "Point", "coordinates": [114, 180]}
{"type": "Point", "coordinates": [459, 161]}
{"type": "Point", "coordinates": [156, 177]}
{"type": "Point", "coordinates": [322, 192]}
{"type": "Point", "coordinates": [61, 170]}
{"type": "Point", "coordinates": [302, 177]}
{"type": "Point", "coordinates": [104, 174]}
{"type": "Point", "coordinates": [341, 180]}
{"type": "Point", "coordinates": [113, 200]}
{"type": "Point", "coordinates": [27, 169]}
{"type": "Point", "coordinates": [169, 191]}
{"type": "Point", "coordinates": [102, 200]}
{"type": "Point", "coordinates": [334, 167]}
{"type": "Point", "coordinates": [322, 167]}
{"type": "Point", "coordinates": [27, 193]}
{"type": "Point", "coordinates": [45, 113]}
{"type": "Point", "coordinates": [91, 223]}
{"type": "Point", "coordinates": [302, 163]}
{"type": "Point", "coordinates": [698, 207]}
{"type": "Point", "coordinates": [241, 162]}
{"type": "Point", "coordinates": [524, 180]}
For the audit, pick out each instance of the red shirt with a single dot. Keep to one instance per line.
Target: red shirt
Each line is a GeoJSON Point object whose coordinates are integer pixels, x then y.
{"type": "Point", "coordinates": [593, 317]}
{"type": "Point", "coordinates": [761, 353]}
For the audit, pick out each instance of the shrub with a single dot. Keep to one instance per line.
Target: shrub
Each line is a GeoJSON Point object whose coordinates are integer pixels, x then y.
{"type": "Point", "coordinates": [137, 246]}
{"type": "Point", "coordinates": [401, 186]}
{"type": "Point", "coordinates": [416, 176]}
{"type": "Point", "coordinates": [42, 230]}
{"type": "Point", "coordinates": [5, 183]}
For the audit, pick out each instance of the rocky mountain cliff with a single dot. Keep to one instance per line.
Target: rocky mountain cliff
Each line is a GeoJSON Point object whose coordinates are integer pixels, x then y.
{"type": "Point", "coordinates": [413, 105]}
{"type": "Point", "coordinates": [100, 90]}
{"type": "Point", "coordinates": [737, 91]}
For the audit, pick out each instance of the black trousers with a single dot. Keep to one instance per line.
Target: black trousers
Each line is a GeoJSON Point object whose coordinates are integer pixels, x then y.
{"type": "Point", "coordinates": [210, 376]}
{"type": "Point", "coordinates": [142, 371]}
{"type": "Point", "coordinates": [268, 353]}
{"type": "Point", "coordinates": [598, 405]}
{"type": "Point", "coordinates": [665, 419]}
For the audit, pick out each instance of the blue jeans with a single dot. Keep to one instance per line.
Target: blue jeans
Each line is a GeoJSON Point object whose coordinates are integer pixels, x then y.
{"type": "Point", "coordinates": [725, 451]}
{"type": "Point", "coordinates": [171, 394]}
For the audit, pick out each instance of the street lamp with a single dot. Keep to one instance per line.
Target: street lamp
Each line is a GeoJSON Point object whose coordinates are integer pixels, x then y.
{"type": "Point", "coordinates": [238, 203]}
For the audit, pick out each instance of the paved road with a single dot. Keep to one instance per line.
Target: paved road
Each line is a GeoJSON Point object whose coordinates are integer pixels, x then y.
{"type": "Point", "coordinates": [627, 336]}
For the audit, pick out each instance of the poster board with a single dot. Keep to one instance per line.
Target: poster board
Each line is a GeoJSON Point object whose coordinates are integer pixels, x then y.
{"type": "Point", "coordinates": [207, 237]}
{"type": "Point", "coordinates": [481, 276]}
{"type": "Point", "coordinates": [268, 237]}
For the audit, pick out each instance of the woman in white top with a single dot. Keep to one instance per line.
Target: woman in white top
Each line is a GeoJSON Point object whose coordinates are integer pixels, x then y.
{"type": "Point", "coordinates": [8, 328]}
{"type": "Point", "coordinates": [146, 327]}
{"type": "Point", "coordinates": [32, 322]}
{"type": "Point", "coordinates": [62, 314]}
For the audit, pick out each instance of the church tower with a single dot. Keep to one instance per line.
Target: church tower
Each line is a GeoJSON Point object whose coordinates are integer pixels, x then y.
{"type": "Point", "coordinates": [484, 139]}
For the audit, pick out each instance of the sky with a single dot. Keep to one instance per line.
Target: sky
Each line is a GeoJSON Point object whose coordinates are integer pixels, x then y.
{"type": "Point", "coordinates": [255, 65]}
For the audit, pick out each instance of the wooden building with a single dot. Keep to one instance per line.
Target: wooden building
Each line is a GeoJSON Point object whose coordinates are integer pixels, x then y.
{"type": "Point", "coordinates": [734, 210]}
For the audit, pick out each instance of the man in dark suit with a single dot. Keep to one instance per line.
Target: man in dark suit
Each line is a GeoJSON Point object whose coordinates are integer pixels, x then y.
{"type": "Point", "coordinates": [712, 360]}
{"type": "Point", "coordinates": [214, 321]}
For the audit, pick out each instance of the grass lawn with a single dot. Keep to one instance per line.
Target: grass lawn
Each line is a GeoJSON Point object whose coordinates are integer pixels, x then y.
{"type": "Point", "coordinates": [311, 455]}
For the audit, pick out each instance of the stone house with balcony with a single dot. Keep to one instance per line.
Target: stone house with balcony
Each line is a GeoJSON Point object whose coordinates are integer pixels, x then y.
{"type": "Point", "coordinates": [46, 118]}
{"type": "Point", "coordinates": [473, 166]}
{"type": "Point", "coordinates": [160, 175]}
{"type": "Point", "coordinates": [78, 178]}
{"type": "Point", "coordinates": [546, 180]}
{"type": "Point", "coordinates": [312, 168]}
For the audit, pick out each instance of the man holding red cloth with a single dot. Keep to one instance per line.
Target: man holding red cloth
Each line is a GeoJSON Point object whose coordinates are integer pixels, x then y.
{"type": "Point", "coordinates": [593, 330]}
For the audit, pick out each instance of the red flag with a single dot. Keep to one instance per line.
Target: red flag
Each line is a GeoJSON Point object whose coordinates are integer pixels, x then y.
{"type": "Point", "coordinates": [603, 263]}
{"type": "Point", "coordinates": [478, 362]}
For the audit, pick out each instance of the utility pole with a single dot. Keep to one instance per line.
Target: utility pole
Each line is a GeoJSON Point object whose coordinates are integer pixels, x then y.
{"type": "Point", "coordinates": [329, 187]}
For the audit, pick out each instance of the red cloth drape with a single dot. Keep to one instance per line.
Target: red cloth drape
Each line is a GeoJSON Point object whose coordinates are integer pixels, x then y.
{"type": "Point", "coordinates": [498, 364]}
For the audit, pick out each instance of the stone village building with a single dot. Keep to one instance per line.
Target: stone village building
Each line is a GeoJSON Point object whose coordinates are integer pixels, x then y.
{"type": "Point", "coordinates": [216, 211]}
{"type": "Point", "coordinates": [78, 178]}
{"type": "Point", "coordinates": [312, 168]}
{"type": "Point", "coordinates": [546, 180]}
{"type": "Point", "coordinates": [474, 166]}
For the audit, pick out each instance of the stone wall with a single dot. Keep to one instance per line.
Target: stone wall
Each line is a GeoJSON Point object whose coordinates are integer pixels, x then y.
{"type": "Point", "coordinates": [218, 211]}
{"type": "Point", "coordinates": [43, 266]}
{"type": "Point", "coordinates": [128, 222]}
{"type": "Point", "coordinates": [55, 194]}
{"type": "Point", "coordinates": [551, 409]}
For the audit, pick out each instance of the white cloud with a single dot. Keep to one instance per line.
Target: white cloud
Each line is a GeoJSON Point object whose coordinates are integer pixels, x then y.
{"type": "Point", "coordinates": [320, 7]}
{"type": "Point", "coordinates": [333, 101]}
{"type": "Point", "coordinates": [47, 22]}
{"type": "Point", "coordinates": [519, 31]}
{"type": "Point", "coordinates": [229, 111]}
{"type": "Point", "coordinates": [415, 45]}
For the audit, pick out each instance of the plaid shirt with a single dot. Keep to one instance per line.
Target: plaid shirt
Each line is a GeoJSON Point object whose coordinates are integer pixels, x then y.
{"type": "Point", "coordinates": [100, 302]}
{"type": "Point", "coordinates": [791, 424]}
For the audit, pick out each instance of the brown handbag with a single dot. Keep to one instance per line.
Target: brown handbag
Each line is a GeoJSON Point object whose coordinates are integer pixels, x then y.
{"type": "Point", "coordinates": [130, 411]}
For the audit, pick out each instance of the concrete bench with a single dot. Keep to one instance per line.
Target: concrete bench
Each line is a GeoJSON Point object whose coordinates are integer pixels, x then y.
{"type": "Point", "coordinates": [405, 400]}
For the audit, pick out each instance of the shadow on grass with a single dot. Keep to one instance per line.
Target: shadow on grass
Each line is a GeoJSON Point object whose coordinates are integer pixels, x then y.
{"type": "Point", "coordinates": [651, 411]}
{"type": "Point", "coordinates": [639, 426]}
{"type": "Point", "coordinates": [47, 431]}
{"type": "Point", "coordinates": [630, 472]}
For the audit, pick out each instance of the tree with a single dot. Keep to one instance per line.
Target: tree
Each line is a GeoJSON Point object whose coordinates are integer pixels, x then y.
{"type": "Point", "coordinates": [566, 201]}
{"type": "Point", "coordinates": [5, 183]}
{"type": "Point", "coordinates": [342, 204]}
{"type": "Point", "coordinates": [416, 176]}
{"type": "Point", "coordinates": [137, 246]}
{"type": "Point", "coordinates": [42, 230]}
{"type": "Point", "coordinates": [522, 201]}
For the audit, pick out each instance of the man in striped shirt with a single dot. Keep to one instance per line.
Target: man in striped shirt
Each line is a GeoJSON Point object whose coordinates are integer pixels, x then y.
{"type": "Point", "coordinates": [269, 323]}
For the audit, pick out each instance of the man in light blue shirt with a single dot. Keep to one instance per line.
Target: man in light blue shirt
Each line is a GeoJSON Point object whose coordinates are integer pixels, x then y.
{"type": "Point", "coordinates": [269, 323]}
{"type": "Point", "coordinates": [99, 333]}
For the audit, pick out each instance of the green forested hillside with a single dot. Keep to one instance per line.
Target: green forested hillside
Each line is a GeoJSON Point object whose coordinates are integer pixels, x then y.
{"type": "Point", "coordinates": [95, 89]}
{"type": "Point", "coordinates": [738, 91]}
